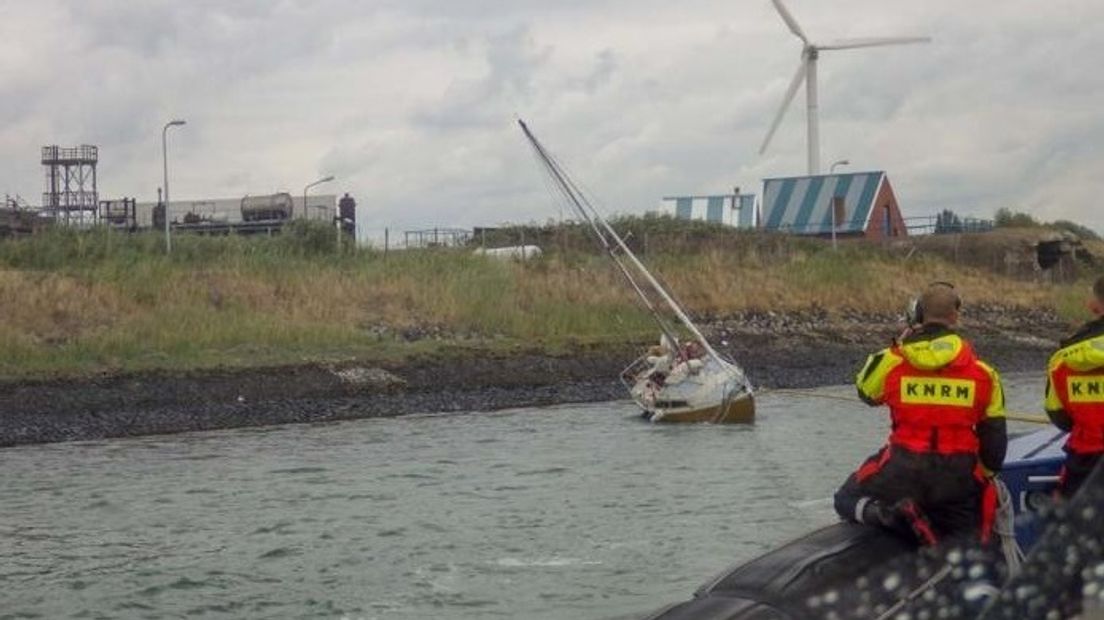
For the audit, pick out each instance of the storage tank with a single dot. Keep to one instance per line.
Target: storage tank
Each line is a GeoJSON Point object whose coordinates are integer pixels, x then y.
{"type": "Point", "coordinates": [516, 252]}
{"type": "Point", "coordinates": [265, 208]}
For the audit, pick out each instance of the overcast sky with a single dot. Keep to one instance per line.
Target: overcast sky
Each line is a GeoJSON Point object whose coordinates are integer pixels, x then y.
{"type": "Point", "coordinates": [411, 103]}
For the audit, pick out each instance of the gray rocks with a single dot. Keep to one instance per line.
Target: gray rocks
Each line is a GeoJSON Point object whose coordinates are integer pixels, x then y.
{"type": "Point", "coordinates": [373, 379]}
{"type": "Point", "coordinates": [778, 350]}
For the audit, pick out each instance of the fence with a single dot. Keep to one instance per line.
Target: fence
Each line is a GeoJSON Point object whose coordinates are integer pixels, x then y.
{"type": "Point", "coordinates": [939, 225]}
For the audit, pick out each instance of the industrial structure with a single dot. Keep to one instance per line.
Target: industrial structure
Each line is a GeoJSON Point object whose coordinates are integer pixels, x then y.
{"type": "Point", "coordinates": [346, 210]}
{"type": "Point", "coordinates": [121, 214]}
{"type": "Point", "coordinates": [436, 237]}
{"type": "Point", "coordinates": [856, 204]}
{"type": "Point", "coordinates": [70, 194]}
{"type": "Point", "coordinates": [254, 213]}
{"type": "Point", "coordinates": [736, 209]}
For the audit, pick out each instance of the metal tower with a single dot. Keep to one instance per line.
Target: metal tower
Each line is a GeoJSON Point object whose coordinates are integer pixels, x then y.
{"type": "Point", "coordinates": [70, 195]}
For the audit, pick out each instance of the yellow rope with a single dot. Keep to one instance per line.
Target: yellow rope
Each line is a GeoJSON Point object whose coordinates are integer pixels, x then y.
{"type": "Point", "coordinates": [1018, 417]}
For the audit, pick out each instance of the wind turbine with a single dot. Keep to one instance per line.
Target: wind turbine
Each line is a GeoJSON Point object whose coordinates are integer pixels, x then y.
{"type": "Point", "coordinates": [807, 70]}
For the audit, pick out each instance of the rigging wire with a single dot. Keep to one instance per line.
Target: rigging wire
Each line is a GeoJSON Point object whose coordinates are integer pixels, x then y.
{"type": "Point", "coordinates": [594, 218]}
{"type": "Point", "coordinates": [580, 204]}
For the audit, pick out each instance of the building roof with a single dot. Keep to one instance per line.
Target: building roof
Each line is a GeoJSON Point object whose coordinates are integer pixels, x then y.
{"type": "Point", "coordinates": [803, 205]}
{"type": "Point", "coordinates": [739, 211]}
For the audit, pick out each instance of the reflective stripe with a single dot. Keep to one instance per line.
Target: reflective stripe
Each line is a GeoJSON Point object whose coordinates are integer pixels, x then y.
{"type": "Point", "coordinates": [1079, 394]}
{"type": "Point", "coordinates": [859, 507]}
{"type": "Point", "coordinates": [938, 391]}
{"type": "Point", "coordinates": [1086, 389]}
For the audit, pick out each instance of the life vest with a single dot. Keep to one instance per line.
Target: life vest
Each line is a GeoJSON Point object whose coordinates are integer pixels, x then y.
{"type": "Point", "coordinates": [1076, 375]}
{"type": "Point", "coordinates": [937, 394]}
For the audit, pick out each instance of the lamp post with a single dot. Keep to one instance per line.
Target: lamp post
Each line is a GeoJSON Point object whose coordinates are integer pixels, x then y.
{"type": "Point", "coordinates": [836, 208]}
{"type": "Point", "coordinates": [165, 164]}
{"type": "Point", "coordinates": [310, 185]}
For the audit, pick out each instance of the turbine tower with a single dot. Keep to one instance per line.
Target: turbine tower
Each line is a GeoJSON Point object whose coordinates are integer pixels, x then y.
{"type": "Point", "coordinates": [807, 71]}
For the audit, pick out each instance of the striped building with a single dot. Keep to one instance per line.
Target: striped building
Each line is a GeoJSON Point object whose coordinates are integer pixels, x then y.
{"type": "Point", "coordinates": [804, 205]}
{"type": "Point", "coordinates": [737, 210]}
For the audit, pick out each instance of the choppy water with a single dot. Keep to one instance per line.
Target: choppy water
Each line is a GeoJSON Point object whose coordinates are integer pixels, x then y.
{"type": "Point", "coordinates": [566, 512]}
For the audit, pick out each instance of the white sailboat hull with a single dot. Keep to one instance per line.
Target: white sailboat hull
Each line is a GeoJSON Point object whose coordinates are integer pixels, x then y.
{"type": "Point", "coordinates": [709, 391]}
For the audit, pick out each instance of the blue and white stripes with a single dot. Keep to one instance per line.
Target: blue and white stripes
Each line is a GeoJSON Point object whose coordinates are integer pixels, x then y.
{"type": "Point", "coordinates": [803, 205]}
{"type": "Point", "coordinates": [721, 208]}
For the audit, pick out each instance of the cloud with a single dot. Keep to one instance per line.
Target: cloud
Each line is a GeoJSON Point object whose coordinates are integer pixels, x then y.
{"type": "Point", "coordinates": [411, 103]}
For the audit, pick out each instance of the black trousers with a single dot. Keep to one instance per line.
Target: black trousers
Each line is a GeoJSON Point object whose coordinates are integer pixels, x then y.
{"type": "Point", "coordinates": [1076, 471]}
{"type": "Point", "coordinates": [945, 487]}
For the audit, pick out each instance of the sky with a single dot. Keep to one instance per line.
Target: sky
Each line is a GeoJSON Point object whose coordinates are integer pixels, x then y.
{"type": "Point", "coordinates": [411, 104]}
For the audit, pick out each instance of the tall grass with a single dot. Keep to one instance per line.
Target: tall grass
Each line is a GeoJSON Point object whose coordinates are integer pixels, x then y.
{"type": "Point", "coordinates": [76, 302]}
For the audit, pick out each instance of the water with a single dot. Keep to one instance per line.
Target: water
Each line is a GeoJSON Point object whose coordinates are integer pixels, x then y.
{"type": "Point", "coordinates": [566, 512]}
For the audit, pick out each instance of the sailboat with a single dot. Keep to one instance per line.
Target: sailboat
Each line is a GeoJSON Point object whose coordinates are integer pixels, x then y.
{"type": "Point", "coordinates": [680, 379]}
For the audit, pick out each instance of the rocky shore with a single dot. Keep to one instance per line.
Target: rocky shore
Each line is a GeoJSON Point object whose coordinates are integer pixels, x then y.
{"type": "Point", "coordinates": [778, 350]}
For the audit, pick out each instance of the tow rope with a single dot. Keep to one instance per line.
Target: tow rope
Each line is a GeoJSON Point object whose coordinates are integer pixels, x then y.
{"type": "Point", "coordinates": [1018, 417]}
{"type": "Point", "coordinates": [1004, 525]}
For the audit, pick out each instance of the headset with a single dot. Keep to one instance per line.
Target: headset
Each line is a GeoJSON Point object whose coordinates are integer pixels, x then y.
{"type": "Point", "coordinates": [914, 310]}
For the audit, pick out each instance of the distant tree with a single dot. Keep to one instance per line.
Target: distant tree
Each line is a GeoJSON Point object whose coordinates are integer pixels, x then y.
{"type": "Point", "coordinates": [1083, 232]}
{"type": "Point", "coordinates": [1006, 218]}
{"type": "Point", "coordinates": [1002, 218]}
{"type": "Point", "coordinates": [947, 222]}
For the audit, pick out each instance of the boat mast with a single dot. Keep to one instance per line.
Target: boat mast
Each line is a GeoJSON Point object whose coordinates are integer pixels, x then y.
{"type": "Point", "coordinates": [591, 215]}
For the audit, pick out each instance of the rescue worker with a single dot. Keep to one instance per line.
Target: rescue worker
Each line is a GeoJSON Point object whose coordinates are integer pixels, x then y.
{"type": "Point", "coordinates": [948, 437]}
{"type": "Point", "coordinates": [1075, 395]}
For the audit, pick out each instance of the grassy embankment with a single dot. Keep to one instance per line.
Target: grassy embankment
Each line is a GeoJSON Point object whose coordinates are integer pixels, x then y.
{"type": "Point", "coordinates": [78, 303]}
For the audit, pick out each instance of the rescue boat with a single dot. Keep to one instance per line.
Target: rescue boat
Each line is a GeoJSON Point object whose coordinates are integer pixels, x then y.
{"type": "Point", "coordinates": [798, 580]}
{"type": "Point", "coordinates": [683, 379]}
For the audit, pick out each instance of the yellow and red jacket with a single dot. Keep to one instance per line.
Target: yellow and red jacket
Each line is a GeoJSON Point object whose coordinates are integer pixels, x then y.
{"type": "Point", "coordinates": [942, 398]}
{"type": "Point", "coordinates": [1075, 389]}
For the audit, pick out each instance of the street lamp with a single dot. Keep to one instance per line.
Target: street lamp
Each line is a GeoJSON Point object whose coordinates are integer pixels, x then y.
{"type": "Point", "coordinates": [310, 185]}
{"type": "Point", "coordinates": [837, 202]}
{"type": "Point", "coordinates": [165, 163]}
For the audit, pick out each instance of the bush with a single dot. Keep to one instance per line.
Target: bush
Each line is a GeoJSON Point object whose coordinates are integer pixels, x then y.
{"type": "Point", "coordinates": [1006, 218]}
{"type": "Point", "coordinates": [308, 238]}
{"type": "Point", "coordinates": [1083, 232]}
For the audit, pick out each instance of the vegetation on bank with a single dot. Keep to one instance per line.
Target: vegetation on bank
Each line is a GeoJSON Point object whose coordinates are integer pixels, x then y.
{"type": "Point", "coordinates": [1006, 218]}
{"type": "Point", "coordinates": [81, 302]}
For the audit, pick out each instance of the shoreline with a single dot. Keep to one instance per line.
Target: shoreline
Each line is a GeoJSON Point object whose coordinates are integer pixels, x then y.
{"type": "Point", "coordinates": [794, 350]}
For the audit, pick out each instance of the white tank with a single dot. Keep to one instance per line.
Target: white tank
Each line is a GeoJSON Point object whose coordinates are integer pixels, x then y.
{"type": "Point", "coordinates": [517, 252]}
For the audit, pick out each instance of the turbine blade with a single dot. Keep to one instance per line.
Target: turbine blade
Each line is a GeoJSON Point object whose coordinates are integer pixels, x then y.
{"type": "Point", "coordinates": [802, 69]}
{"type": "Point", "coordinates": [847, 44]}
{"type": "Point", "coordinates": [790, 21]}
